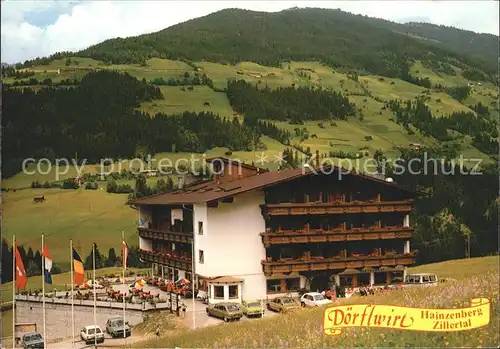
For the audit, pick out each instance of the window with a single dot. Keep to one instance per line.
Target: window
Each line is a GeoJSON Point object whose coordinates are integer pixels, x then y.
{"type": "Point", "coordinates": [188, 277]}
{"type": "Point", "coordinates": [219, 292]}
{"type": "Point", "coordinates": [200, 228]}
{"type": "Point", "coordinates": [293, 284]}
{"type": "Point", "coordinates": [201, 256]}
{"type": "Point", "coordinates": [273, 285]}
{"type": "Point", "coordinates": [233, 291]}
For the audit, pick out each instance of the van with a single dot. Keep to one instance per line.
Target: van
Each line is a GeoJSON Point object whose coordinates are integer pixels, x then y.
{"type": "Point", "coordinates": [421, 279]}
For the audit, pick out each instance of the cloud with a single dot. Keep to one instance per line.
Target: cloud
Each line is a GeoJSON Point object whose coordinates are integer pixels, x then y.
{"type": "Point", "coordinates": [25, 33]}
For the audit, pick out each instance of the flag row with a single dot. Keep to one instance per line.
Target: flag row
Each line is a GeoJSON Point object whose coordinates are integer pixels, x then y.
{"type": "Point", "coordinates": [21, 278]}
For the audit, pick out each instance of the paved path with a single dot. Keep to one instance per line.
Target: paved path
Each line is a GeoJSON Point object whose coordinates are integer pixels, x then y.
{"type": "Point", "coordinates": [59, 322]}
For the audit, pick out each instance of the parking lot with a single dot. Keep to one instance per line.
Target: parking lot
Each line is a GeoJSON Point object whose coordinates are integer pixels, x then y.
{"type": "Point", "coordinates": [58, 324]}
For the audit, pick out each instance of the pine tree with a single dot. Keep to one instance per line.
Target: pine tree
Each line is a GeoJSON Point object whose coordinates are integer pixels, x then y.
{"type": "Point", "coordinates": [112, 259]}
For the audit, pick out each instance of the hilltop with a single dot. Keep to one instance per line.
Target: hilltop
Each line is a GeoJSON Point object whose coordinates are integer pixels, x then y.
{"type": "Point", "coordinates": [334, 37]}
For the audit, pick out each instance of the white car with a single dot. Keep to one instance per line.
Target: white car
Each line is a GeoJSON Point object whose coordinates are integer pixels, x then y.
{"type": "Point", "coordinates": [89, 334]}
{"type": "Point", "coordinates": [314, 299]}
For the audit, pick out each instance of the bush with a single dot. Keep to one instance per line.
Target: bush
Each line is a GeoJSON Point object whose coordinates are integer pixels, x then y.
{"type": "Point", "coordinates": [124, 189]}
{"type": "Point", "coordinates": [36, 184]}
{"type": "Point", "coordinates": [46, 185]}
{"type": "Point", "coordinates": [91, 185]}
{"type": "Point", "coordinates": [69, 183]}
{"type": "Point", "coordinates": [111, 185]}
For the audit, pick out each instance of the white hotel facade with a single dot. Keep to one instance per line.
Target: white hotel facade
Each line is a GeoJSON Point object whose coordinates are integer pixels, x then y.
{"type": "Point", "coordinates": [256, 234]}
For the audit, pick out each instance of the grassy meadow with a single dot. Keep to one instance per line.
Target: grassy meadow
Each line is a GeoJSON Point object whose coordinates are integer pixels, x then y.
{"type": "Point", "coordinates": [87, 216]}
{"type": "Point", "coordinates": [304, 329]}
{"type": "Point", "coordinates": [178, 100]}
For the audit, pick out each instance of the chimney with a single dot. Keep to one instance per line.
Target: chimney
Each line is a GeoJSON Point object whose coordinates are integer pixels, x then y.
{"type": "Point", "coordinates": [317, 158]}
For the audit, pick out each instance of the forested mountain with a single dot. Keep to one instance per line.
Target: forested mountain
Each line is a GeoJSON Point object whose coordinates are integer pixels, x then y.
{"type": "Point", "coordinates": [482, 47]}
{"type": "Point", "coordinates": [288, 103]}
{"type": "Point", "coordinates": [97, 119]}
{"type": "Point", "coordinates": [337, 38]}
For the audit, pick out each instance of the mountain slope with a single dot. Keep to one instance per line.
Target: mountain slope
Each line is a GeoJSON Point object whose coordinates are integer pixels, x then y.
{"type": "Point", "coordinates": [482, 47]}
{"type": "Point", "coordinates": [337, 38]}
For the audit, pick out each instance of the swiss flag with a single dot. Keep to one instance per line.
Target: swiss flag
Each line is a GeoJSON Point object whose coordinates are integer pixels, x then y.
{"type": "Point", "coordinates": [21, 277]}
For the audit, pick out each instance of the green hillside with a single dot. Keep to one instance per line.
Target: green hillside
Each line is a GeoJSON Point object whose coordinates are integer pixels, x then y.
{"type": "Point", "coordinates": [234, 35]}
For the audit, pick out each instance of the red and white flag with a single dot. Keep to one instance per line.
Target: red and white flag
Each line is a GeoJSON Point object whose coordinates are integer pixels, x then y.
{"type": "Point", "coordinates": [21, 277]}
{"type": "Point", "coordinates": [124, 254]}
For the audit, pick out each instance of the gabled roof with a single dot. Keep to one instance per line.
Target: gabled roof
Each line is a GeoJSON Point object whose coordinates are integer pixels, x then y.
{"type": "Point", "coordinates": [224, 280]}
{"type": "Point", "coordinates": [210, 190]}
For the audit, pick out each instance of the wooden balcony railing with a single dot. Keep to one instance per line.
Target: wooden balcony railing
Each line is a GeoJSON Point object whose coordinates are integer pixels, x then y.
{"type": "Point", "coordinates": [312, 264]}
{"type": "Point", "coordinates": [166, 259]}
{"type": "Point", "coordinates": [338, 207]}
{"type": "Point", "coordinates": [165, 235]}
{"type": "Point", "coordinates": [335, 235]}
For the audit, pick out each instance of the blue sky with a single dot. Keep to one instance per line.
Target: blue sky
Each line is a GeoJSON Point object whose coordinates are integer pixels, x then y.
{"type": "Point", "coordinates": [39, 28]}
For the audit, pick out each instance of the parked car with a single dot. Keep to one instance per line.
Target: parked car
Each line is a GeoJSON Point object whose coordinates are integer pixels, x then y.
{"type": "Point", "coordinates": [226, 311]}
{"type": "Point", "coordinates": [88, 334]}
{"type": "Point", "coordinates": [314, 299]}
{"type": "Point", "coordinates": [252, 308]}
{"type": "Point", "coordinates": [32, 340]}
{"type": "Point", "coordinates": [420, 279]}
{"type": "Point", "coordinates": [115, 327]}
{"type": "Point", "coordinates": [282, 304]}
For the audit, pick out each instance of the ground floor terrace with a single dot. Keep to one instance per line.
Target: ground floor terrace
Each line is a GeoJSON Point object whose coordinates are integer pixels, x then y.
{"type": "Point", "coordinates": [237, 288]}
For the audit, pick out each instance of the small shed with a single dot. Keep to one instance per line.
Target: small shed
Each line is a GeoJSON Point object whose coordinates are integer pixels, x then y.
{"type": "Point", "coordinates": [224, 289]}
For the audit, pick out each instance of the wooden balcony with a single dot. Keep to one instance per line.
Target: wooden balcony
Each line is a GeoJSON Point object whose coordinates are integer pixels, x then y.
{"type": "Point", "coordinates": [339, 207]}
{"type": "Point", "coordinates": [335, 235]}
{"type": "Point", "coordinates": [165, 259]}
{"type": "Point", "coordinates": [157, 234]}
{"type": "Point", "coordinates": [303, 265]}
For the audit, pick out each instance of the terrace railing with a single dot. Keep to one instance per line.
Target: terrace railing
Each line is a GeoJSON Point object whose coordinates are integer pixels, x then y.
{"type": "Point", "coordinates": [174, 261]}
{"type": "Point", "coordinates": [339, 207]}
{"type": "Point", "coordinates": [334, 235]}
{"type": "Point", "coordinates": [341, 262]}
{"type": "Point", "coordinates": [166, 235]}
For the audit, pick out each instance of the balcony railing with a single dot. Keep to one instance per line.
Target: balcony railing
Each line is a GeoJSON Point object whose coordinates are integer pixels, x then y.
{"type": "Point", "coordinates": [339, 207]}
{"type": "Point", "coordinates": [316, 264]}
{"type": "Point", "coordinates": [335, 235]}
{"type": "Point", "coordinates": [167, 259]}
{"type": "Point", "coordinates": [165, 235]}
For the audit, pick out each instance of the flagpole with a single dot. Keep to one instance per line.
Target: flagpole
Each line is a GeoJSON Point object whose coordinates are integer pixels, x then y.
{"type": "Point", "coordinates": [124, 265]}
{"type": "Point", "coordinates": [192, 283]}
{"type": "Point", "coordinates": [72, 296]}
{"type": "Point", "coordinates": [95, 300]}
{"type": "Point", "coordinates": [43, 294]}
{"type": "Point", "coordinates": [13, 291]}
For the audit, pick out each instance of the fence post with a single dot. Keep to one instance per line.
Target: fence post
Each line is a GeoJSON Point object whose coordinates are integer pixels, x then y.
{"type": "Point", "coordinates": [171, 302]}
{"type": "Point", "coordinates": [178, 297]}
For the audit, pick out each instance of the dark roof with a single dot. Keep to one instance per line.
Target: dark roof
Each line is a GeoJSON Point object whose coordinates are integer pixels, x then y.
{"type": "Point", "coordinates": [210, 190]}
